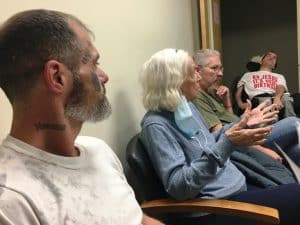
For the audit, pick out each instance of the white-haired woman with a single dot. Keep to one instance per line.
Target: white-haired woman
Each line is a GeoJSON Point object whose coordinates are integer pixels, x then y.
{"type": "Point", "coordinates": [190, 161]}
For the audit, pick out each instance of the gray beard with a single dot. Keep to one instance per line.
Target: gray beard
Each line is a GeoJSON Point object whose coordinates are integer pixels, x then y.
{"type": "Point", "coordinates": [100, 111]}
{"type": "Point", "coordinates": [75, 110]}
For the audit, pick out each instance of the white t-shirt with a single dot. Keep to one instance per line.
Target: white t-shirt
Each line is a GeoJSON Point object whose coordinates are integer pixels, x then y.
{"type": "Point", "coordinates": [261, 82]}
{"type": "Point", "coordinates": [37, 187]}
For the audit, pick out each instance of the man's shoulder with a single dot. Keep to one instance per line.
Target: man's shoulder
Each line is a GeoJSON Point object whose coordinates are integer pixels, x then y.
{"type": "Point", "coordinates": [278, 74]}
{"type": "Point", "coordinates": [205, 100]}
{"type": "Point", "coordinates": [202, 97]}
{"type": "Point", "coordinates": [90, 142]}
{"type": "Point", "coordinates": [96, 147]}
{"type": "Point", "coordinates": [244, 78]}
{"type": "Point", "coordinates": [249, 74]}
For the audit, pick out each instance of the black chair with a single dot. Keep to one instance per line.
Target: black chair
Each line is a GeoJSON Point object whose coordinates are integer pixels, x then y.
{"type": "Point", "coordinates": [244, 96]}
{"type": "Point", "coordinates": [155, 201]}
{"type": "Point", "coordinates": [296, 98]}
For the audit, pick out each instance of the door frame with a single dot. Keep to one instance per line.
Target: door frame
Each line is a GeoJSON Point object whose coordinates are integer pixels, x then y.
{"type": "Point", "coordinates": [210, 24]}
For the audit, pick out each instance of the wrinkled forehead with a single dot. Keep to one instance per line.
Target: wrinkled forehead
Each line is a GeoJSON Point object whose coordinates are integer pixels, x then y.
{"type": "Point", "coordinates": [213, 60]}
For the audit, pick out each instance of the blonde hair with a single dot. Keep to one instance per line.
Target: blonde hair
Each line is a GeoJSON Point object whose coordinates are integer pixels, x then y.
{"type": "Point", "coordinates": [161, 78]}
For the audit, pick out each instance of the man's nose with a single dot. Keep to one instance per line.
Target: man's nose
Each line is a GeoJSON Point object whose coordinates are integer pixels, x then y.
{"type": "Point", "coordinates": [220, 74]}
{"type": "Point", "coordinates": [103, 76]}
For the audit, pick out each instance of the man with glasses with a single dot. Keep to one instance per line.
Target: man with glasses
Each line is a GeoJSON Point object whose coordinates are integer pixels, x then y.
{"type": "Point", "coordinates": [214, 104]}
{"type": "Point", "coordinates": [190, 161]}
{"type": "Point", "coordinates": [211, 71]}
{"type": "Point", "coordinates": [213, 101]}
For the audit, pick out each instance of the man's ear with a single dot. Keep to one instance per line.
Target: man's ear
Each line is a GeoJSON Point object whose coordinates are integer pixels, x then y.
{"type": "Point", "coordinates": [54, 76]}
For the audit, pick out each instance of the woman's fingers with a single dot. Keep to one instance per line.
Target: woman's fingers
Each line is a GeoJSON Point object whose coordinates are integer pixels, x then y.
{"type": "Point", "coordinates": [245, 137]}
{"type": "Point", "coordinates": [272, 107]}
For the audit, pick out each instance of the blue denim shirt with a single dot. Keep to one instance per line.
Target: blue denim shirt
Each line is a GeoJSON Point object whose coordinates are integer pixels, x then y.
{"type": "Point", "coordinates": [190, 167]}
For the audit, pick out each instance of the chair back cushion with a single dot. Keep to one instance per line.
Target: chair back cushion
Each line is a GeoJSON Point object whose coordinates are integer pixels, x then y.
{"type": "Point", "coordinates": [296, 98]}
{"type": "Point", "coordinates": [140, 172]}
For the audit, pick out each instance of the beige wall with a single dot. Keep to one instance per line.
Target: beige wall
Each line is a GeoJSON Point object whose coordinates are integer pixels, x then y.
{"type": "Point", "coordinates": [127, 33]}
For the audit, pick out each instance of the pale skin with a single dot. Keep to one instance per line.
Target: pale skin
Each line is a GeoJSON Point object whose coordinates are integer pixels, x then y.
{"type": "Point", "coordinates": [218, 126]}
{"type": "Point", "coordinates": [43, 124]}
{"type": "Point", "coordinates": [150, 221]}
{"type": "Point", "coordinates": [212, 78]}
{"type": "Point", "coordinates": [237, 133]}
{"type": "Point", "coordinates": [224, 94]}
{"type": "Point", "coordinates": [252, 118]}
{"type": "Point", "coordinates": [238, 97]}
{"type": "Point", "coordinates": [267, 64]}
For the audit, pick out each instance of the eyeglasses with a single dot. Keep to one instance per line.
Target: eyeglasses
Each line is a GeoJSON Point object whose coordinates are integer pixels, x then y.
{"type": "Point", "coordinates": [216, 69]}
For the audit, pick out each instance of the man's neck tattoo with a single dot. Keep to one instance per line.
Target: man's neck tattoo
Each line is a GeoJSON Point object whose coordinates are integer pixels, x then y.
{"type": "Point", "coordinates": [49, 126]}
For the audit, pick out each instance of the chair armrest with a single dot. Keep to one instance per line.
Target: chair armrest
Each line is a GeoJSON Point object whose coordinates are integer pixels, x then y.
{"type": "Point", "coordinates": [260, 213]}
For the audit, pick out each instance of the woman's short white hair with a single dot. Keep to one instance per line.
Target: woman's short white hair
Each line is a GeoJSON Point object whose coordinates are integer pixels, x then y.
{"type": "Point", "coordinates": [161, 78]}
{"type": "Point", "coordinates": [201, 56]}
